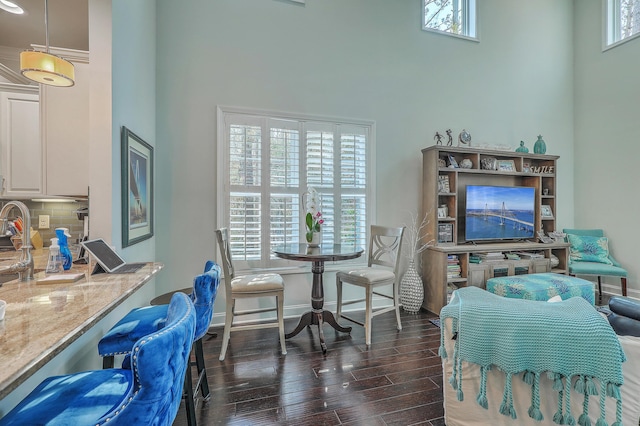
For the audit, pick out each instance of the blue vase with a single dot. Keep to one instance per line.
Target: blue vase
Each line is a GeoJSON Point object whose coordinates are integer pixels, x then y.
{"type": "Point", "coordinates": [540, 147]}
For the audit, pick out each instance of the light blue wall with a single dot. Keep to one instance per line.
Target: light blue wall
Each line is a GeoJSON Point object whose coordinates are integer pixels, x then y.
{"type": "Point", "coordinates": [364, 59]}
{"type": "Point", "coordinates": [607, 136]}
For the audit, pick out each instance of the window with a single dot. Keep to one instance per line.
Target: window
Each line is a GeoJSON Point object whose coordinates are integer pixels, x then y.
{"type": "Point", "coordinates": [267, 162]}
{"type": "Point", "coordinates": [453, 17]}
{"type": "Point", "coordinates": [623, 21]}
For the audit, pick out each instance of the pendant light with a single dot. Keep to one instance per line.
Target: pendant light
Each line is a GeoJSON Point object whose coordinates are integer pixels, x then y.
{"type": "Point", "coordinates": [44, 67]}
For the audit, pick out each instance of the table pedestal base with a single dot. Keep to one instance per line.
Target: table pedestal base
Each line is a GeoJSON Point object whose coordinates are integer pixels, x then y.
{"type": "Point", "coordinates": [318, 318]}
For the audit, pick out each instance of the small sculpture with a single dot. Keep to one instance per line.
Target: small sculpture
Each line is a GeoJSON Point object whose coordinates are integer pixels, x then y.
{"type": "Point", "coordinates": [438, 138]}
{"type": "Point", "coordinates": [466, 164]}
{"type": "Point", "coordinates": [522, 148]}
{"type": "Point", "coordinates": [449, 138]}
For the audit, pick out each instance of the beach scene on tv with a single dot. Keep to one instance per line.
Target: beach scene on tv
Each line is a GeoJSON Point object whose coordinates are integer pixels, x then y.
{"type": "Point", "coordinates": [499, 213]}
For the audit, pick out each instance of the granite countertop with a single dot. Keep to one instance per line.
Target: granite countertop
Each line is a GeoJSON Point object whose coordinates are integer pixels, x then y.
{"type": "Point", "coordinates": [43, 319]}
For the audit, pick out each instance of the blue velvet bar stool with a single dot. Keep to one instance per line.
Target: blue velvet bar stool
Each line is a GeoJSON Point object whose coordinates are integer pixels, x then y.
{"type": "Point", "coordinates": [147, 394]}
{"type": "Point", "coordinates": [142, 321]}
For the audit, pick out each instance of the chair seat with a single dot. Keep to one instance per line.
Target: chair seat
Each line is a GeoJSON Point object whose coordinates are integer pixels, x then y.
{"type": "Point", "coordinates": [256, 283]}
{"type": "Point", "coordinates": [136, 324]}
{"type": "Point", "coordinates": [367, 276]}
{"type": "Point", "coordinates": [74, 399]}
{"type": "Point", "coordinates": [596, 268]}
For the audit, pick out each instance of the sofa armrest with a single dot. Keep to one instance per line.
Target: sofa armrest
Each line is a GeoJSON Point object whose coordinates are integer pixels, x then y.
{"type": "Point", "coordinates": [625, 316]}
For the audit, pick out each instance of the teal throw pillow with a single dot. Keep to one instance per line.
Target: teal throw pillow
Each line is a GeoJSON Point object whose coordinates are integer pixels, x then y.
{"type": "Point", "coordinates": [585, 248]}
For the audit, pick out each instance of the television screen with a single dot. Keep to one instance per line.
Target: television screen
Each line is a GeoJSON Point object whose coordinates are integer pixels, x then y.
{"type": "Point", "coordinates": [499, 213]}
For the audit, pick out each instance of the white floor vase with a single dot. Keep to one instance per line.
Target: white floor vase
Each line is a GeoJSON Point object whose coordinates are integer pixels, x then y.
{"type": "Point", "coordinates": [411, 290]}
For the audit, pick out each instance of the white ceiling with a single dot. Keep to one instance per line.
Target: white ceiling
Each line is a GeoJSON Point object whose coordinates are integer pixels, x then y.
{"type": "Point", "coordinates": [68, 24]}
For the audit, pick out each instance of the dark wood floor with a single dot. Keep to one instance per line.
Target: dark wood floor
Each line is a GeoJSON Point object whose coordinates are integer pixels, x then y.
{"type": "Point", "coordinates": [396, 381]}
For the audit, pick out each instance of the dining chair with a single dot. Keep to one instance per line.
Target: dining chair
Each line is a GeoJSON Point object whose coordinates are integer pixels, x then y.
{"type": "Point", "coordinates": [142, 321]}
{"type": "Point", "coordinates": [244, 287]}
{"type": "Point", "coordinates": [147, 394]}
{"type": "Point", "coordinates": [382, 270]}
{"type": "Point", "coordinates": [589, 255]}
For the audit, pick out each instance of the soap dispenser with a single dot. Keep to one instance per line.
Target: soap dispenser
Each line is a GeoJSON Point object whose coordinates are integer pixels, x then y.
{"type": "Point", "coordinates": [65, 253]}
{"type": "Point", "coordinates": [54, 264]}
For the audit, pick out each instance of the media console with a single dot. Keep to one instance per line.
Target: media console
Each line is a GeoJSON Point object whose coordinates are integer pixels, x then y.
{"type": "Point", "coordinates": [453, 262]}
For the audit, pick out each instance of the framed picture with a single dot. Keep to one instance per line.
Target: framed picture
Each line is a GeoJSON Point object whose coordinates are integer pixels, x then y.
{"type": "Point", "coordinates": [137, 188]}
{"type": "Point", "coordinates": [506, 166]}
{"type": "Point", "coordinates": [526, 167]}
{"type": "Point", "coordinates": [452, 161]}
{"type": "Point", "coordinates": [545, 211]}
{"type": "Point", "coordinates": [443, 183]}
{"type": "Point", "coordinates": [443, 212]}
{"type": "Point", "coordinates": [445, 233]}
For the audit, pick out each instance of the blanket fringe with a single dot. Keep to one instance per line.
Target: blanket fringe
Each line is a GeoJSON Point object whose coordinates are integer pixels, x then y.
{"type": "Point", "coordinates": [558, 417]}
{"type": "Point", "coordinates": [534, 410]}
{"type": "Point", "coordinates": [506, 407]}
{"type": "Point", "coordinates": [482, 395]}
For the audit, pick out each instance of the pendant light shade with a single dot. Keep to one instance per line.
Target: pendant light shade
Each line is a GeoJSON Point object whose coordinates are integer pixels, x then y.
{"type": "Point", "coordinates": [44, 67]}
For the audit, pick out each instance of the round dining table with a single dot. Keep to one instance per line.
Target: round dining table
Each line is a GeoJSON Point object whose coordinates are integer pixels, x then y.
{"type": "Point", "coordinates": [318, 256]}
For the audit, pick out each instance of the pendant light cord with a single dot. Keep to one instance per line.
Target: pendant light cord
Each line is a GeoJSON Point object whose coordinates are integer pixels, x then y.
{"type": "Point", "coordinates": [46, 23]}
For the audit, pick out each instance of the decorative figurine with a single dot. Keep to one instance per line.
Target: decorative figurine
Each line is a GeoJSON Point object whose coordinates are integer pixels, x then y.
{"type": "Point", "coordinates": [464, 137]}
{"type": "Point", "coordinates": [540, 147]}
{"type": "Point", "coordinates": [466, 164]}
{"type": "Point", "coordinates": [438, 138]}
{"type": "Point", "coordinates": [522, 148]}
{"type": "Point", "coordinates": [449, 138]}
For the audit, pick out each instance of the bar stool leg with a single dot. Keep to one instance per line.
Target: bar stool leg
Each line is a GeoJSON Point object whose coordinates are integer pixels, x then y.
{"type": "Point", "coordinates": [107, 362]}
{"type": "Point", "coordinates": [202, 384]}
{"type": "Point", "coordinates": [188, 398]}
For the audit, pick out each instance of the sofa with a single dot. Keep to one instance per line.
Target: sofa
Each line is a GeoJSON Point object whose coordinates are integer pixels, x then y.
{"type": "Point", "coordinates": [468, 411]}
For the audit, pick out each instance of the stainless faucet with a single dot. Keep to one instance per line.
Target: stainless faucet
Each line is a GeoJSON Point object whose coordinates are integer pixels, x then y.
{"type": "Point", "coordinates": [24, 266]}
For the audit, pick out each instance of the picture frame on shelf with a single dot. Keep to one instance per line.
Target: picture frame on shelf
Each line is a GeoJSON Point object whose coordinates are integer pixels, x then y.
{"type": "Point", "coordinates": [443, 184]}
{"type": "Point", "coordinates": [506, 166]}
{"type": "Point", "coordinates": [526, 167]}
{"type": "Point", "coordinates": [445, 233]}
{"type": "Point", "coordinates": [545, 211]}
{"type": "Point", "coordinates": [443, 212]}
{"type": "Point", "coordinates": [136, 189]}
{"type": "Point", "coordinates": [452, 162]}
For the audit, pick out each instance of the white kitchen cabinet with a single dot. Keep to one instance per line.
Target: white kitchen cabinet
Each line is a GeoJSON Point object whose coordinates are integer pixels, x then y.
{"type": "Point", "coordinates": [22, 164]}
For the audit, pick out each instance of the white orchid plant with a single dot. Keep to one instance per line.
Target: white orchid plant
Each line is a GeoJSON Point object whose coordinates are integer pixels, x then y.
{"type": "Point", "coordinates": [313, 218]}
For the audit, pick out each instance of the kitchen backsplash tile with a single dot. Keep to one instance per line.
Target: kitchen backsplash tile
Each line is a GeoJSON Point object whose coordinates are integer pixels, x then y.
{"type": "Point", "coordinates": [61, 215]}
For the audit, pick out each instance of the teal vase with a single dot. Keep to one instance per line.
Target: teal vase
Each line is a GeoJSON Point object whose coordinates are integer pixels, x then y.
{"type": "Point", "coordinates": [540, 147]}
{"type": "Point", "coordinates": [522, 148]}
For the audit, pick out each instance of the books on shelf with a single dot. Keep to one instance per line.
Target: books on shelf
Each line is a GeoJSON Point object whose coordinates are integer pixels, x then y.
{"type": "Point", "coordinates": [494, 256]}
{"type": "Point", "coordinates": [453, 266]}
{"type": "Point", "coordinates": [530, 254]}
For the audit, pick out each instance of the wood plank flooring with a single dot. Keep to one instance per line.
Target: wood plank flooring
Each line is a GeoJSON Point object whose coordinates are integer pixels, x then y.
{"type": "Point", "coordinates": [396, 381]}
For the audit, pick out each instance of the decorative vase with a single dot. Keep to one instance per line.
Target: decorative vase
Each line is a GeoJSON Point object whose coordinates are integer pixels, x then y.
{"type": "Point", "coordinates": [540, 147]}
{"type": "Point", "coordinates": [411, 290]}
{"type": "Point", "coordinates": [316, 237]}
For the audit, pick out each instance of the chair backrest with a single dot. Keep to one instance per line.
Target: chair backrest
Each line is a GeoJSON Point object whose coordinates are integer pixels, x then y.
{"type": "Point", "coordinates": [585, 232]}
{"type": "Point", "coordinates": [225, 254]}
{"type": "Point", "coordinates": [205, 289]}
{"type": "Point", "coordinates": [384, 247]}
{"type": "Point", "coordinates": [160, 361]}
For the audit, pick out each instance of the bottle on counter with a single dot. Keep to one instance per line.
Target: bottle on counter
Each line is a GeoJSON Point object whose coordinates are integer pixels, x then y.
{"type": "Point", "coordinates": [65, 253]}
{"type": "Point", "coordinates": [54, 264]}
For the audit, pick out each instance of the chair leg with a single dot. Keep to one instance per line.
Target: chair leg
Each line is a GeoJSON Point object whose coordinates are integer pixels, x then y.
{"type": "Point", "coordinates": [599, 290]}
{"type": "Point", "coordinates": [188, 398]}
{"type": "Point", "coordinates": [107, 362]}
{"type": "Point", "coordinates": [396, 304]}
{"type": "Point", "coordinates": [280, 303]}
{"type": "Point", "coordinates": [227, 328]}
{"type": "Point", "coordinates": [339, 301]}
{"type": "Point", "coordinates": [623, 282]}
{"type": "Point", "coordinates": [367, 315]}
{"type": "Point", "coordinates": [203, 383]}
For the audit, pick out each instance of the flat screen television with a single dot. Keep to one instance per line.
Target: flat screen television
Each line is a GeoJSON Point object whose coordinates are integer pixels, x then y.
{"type": "Point", "coordinates": [495, 213]}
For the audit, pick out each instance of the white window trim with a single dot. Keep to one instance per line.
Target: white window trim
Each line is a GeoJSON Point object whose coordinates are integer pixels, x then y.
{"type": "Point", "coordinates": [608, 29]}
{"type": "Point", "coordinates": [475, 38]}
{"type": "Point", "coordinates": [289, 266]}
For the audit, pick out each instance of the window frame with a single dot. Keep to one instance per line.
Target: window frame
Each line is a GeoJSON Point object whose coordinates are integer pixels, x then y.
{"type": "Point", "coordinates": [224, 192]}
{"type": "Point", "coordinates": [469, 18]}
{"type": "Point", "coordinates": [611, 25]}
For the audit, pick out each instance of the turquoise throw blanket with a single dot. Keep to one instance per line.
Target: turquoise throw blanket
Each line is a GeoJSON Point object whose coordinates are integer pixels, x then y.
{"type": "Point", "coordinates": [568, 340]}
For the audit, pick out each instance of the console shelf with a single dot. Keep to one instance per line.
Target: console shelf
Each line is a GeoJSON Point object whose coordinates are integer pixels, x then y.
{"type": "Point", "coordinates": [447, 171]}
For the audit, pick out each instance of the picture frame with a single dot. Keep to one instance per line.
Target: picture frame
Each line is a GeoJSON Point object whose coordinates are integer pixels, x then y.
{"type": "Point", "coordinates": [452, 161]}
{"type": "Point", "coordinates": [136, 188]}
{"type": "Point", "coordinates": [506, 166]}
{"type": "Point", "coordinates": [443, 212]}
{"type": "Point", "coordinates": [545, 211]}
{"type": "Point", "coordinates": [443, 184]}
{"type": "Point", "coordinates": [445, 233]}
{"type": "Point", "coordinates": [526, 167]}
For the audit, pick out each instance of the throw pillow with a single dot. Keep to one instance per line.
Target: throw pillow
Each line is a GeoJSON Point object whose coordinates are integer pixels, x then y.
{"type": "Point", "coordinates": [585, 248]}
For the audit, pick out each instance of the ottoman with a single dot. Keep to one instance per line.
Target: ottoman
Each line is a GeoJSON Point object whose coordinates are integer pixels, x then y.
{"type": "Point", "coordinates": [542, 287]}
